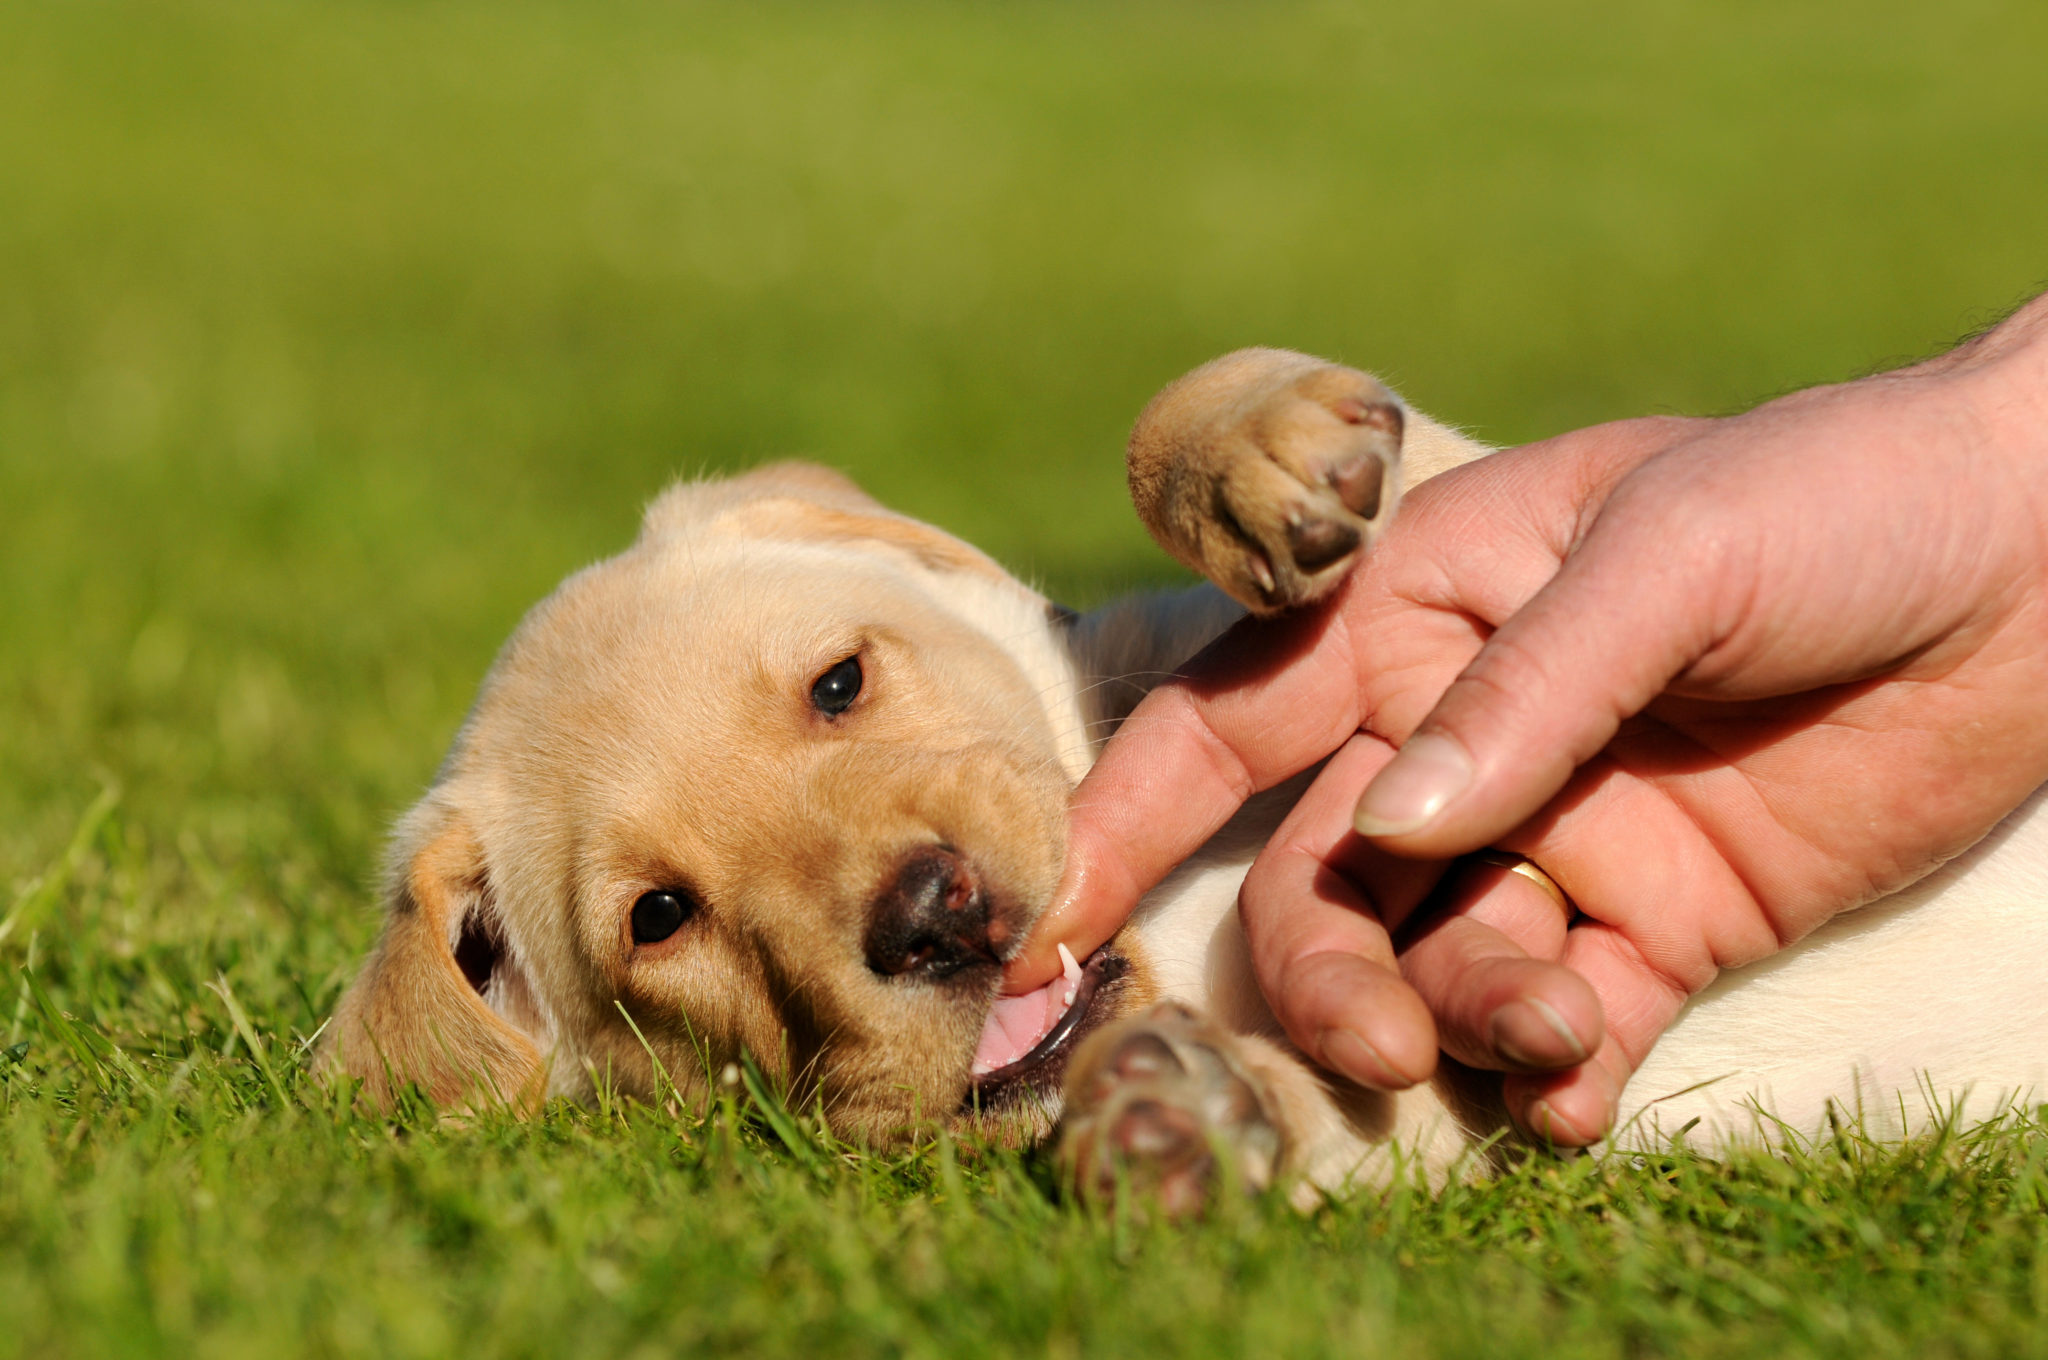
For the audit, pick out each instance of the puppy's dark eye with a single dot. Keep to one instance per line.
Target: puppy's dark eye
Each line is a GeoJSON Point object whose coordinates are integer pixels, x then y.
{"type": "Point", "coordinates": [660, 914]}
{"type": "Point", "coordinates": [834, 691]}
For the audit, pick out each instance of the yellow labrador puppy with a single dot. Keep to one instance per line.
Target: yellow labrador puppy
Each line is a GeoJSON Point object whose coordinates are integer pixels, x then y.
{"type": "Point", "coordinates": [788, 777]}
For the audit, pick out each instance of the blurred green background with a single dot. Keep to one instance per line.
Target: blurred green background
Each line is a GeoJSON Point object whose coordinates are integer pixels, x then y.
{"type": "Point", "coordinates": [332, 335]}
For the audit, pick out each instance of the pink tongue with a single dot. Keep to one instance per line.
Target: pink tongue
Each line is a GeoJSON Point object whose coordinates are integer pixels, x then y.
{"type": "Point", "coordinates": [1017, 1023]}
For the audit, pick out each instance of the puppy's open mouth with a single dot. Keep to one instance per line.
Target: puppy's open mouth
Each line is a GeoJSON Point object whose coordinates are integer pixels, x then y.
{"type": "Point", "coordinates": [1027, 1040]}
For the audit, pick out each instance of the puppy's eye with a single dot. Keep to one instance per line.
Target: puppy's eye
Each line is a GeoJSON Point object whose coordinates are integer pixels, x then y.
{"type": "Point", "coordinates": [834, 691]}
{"type": "Point", "coordinates": [660, 914]}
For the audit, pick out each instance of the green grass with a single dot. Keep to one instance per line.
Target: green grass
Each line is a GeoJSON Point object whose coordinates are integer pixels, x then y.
{"type": "Point", "coordinates": [330, 337]}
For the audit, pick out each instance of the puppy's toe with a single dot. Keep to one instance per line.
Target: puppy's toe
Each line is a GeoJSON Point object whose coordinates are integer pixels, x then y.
{"type": "Point", "coordinates": [1360, 482]}
{"type": "Point", "coordinates": [1164, 1152]}
{"type": "Point", "coordinates": [1315, 541]}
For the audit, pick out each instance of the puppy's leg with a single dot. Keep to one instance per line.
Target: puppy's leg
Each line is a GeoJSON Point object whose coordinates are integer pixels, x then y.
{"type": "Point", "coordinates": [1171, 1109]}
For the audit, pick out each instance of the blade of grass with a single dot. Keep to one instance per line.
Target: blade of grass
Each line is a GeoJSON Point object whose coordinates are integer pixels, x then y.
{"type": "Point", "coordinates": [667, 1090]}
{"type": "Point", "coordinates": [94, 1051]}
{"type": "Point", "coordinates": [777, 1116]}
{"type": "Point", "coordinates": [44, 890]}
{"type": "Point", "coordinates": [219, 986]}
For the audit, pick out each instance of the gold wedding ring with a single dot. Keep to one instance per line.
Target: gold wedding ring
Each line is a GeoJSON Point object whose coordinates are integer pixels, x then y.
{"type": "Point", "coordinates": [1527, 868]}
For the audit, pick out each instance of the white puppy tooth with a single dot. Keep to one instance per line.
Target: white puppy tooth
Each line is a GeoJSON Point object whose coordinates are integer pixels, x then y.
{"type": "Point", "coordinates": [1072, 969]}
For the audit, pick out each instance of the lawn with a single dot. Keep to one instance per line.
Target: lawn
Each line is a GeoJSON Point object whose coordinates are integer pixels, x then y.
{"type": "Point", "coordinates": [331, 336]}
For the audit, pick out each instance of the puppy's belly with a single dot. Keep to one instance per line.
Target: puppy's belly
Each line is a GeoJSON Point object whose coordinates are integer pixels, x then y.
{"type": "Point", "coordinates": [1933, 996]}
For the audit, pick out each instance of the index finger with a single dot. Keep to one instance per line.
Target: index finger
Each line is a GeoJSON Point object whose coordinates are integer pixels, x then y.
{"type": "Point", "coordinates": [1265, 701]}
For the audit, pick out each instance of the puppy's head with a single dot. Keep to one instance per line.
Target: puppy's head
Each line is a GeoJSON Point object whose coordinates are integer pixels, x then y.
{"type": "Point", "coordinates": [787, 777]}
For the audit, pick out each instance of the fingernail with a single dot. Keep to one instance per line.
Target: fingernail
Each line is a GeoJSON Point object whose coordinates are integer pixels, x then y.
{"type": "Point", "coordinates": [1428, 773]}
{"type": "Point", "coordinates": [1563, 1133]}
{"type": "Point", "coordinates": [1543, 1122]}
{"type": "Point", "coordinates": [1343, 1050]}
{"type": "Point", "coordinates": [1530, 1033]}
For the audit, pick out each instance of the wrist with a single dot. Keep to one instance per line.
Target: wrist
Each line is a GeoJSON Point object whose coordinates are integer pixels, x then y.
{"type": "Point", "coordinates": [2021, 338]}
{"type": "Point", "coordinates": [1993, 390]}
{"type": "Point", "coordinates": [2006, 383]}
{"type": "Point", "coordinates": [2003, 374]}
{"type": "Point", "coordinates": [2006, 388]}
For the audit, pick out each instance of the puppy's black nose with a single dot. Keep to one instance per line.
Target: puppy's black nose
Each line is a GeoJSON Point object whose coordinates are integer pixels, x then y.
{"type": "Point", "coordinates": [931, 921]}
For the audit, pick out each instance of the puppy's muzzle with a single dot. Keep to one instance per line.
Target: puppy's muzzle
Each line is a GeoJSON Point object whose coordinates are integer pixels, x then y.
{"type": "Point", "coordinates": [932, 921]}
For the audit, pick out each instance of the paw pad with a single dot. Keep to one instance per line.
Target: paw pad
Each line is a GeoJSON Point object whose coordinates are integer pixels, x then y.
{"type": "Point", "coordinates": [1161, 1114]}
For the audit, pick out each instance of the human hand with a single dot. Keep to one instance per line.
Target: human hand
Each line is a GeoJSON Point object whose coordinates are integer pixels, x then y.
{"type": "Point", "coordinates": [1721, 679]}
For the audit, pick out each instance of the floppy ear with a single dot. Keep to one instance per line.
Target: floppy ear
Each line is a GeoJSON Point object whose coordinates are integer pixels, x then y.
{"type": "Point", "coordinates": [416, 1013]}
{"type": "Point", "coordinates": [802, 502]}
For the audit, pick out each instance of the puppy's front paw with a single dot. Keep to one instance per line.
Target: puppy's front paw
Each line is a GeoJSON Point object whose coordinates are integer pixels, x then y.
{"type": "Point", "coordinates": [1160, 1109]}
{"type": "Point", "coordinates": [1268, 472]}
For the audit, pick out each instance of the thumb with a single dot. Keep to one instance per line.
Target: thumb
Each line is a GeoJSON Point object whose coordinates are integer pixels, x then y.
{"type": "Point", "coordinates": [1629, 610]}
